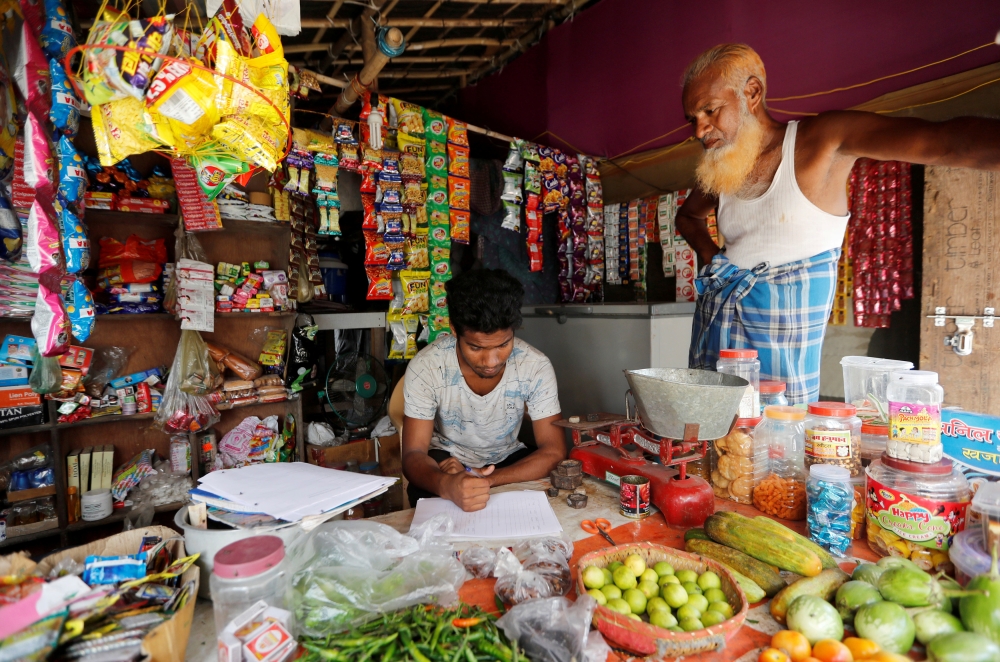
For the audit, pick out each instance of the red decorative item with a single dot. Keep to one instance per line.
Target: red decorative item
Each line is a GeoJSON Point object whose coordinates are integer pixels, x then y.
{"type": "Point", "coordinates": [881, 240]}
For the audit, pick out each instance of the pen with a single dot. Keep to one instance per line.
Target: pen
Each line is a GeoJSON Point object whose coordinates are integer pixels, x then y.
{"type": "Point", "coordinates": [474, 472]}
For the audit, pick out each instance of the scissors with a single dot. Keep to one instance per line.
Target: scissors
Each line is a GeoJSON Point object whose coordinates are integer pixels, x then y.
{"type": "Point", "coordinates": [600, 525]}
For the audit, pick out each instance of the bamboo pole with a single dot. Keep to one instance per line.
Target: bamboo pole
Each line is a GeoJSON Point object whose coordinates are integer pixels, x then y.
{"type": "Point", "coordinates": [423, 59]}
{"type": "Point", "coordinates": [368, 73]}
{"type": "Point", "coordinates": [436, 73]}
{"type": "Point", "coordinates": [326, 80]}
{"type": "Point", "coordinates": [402, 22]}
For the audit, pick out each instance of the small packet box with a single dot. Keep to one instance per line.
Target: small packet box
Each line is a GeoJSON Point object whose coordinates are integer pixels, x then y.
{"type": "Point", "coordinates": [259, 634]}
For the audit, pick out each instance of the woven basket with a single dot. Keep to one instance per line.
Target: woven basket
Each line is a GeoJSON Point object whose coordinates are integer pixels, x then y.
{"type": "Point", "coordinates": [641, 638]}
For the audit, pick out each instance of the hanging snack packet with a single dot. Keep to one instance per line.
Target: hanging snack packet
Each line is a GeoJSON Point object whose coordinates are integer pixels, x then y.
{"type": "Point", "coordinates": [137, 69]}
{"type": "Point", "coordinates": [39, 165]}
{"type": "Point", "coordinates": [397, 332]}
{"type": "Point", "coordinates": [514, 161]}
{"type": "Point", "coordinates": [437, 198]}
{"type": "Point", "coordinates": [409, 118]}
{"type": "Point", "coordinates": [185, 96]}
{"type": "Point", "coordinates": [511, 216]}
{"type": "Point", "coordinates": [410, 324]}
{"type": "Point", "coordinates": [440, 235]}
{"type": "Point", "coordinates": [215, 169]}
{"type": "Point", "coordinates": [460, 223]}
{"type": "Point", "coordinates": [65, 113]}
{"type": "Point", "coordinates": [75, 243]}
{"type": "Point", "coordinates": [458, 133]}
{"type": "Point", "coordinates": [11, 235]}
{"type": "Point", "coordinates": [416, 252]}
{"type": "Point", "coordinates": [122, 128]}
{"type": "Point", "coordinates": [440, 263]}
{"type": "Point", "coordinates": [379, 283]}
{"type": "Point", "coordinates": [438, 296]}
{"type": "Point", "coordinates": [43, 238]}
{"type": "Point", "coordinates": [57, 34]}
{"type": "Point", "coordinates": [376, 253]}
{"type": "Point", "coordinates": [532, 178]}
{"type": "Point", "coordinates": [72, 176]}
{"type": "Point", "coordinates": [395, 243]}
{"type": "Point", "coordinates": [415, 288]}
{"type": "Point", "coordinates": [49, 324]}
{"type": "Point", "coordinates": [459, 193]}
{"type": "Point", "coordinates": [437, 159]}
{"type": "Point", "coordinates": [458, 160]}
{"type": "Point", "coordinates": [31, 72]}
{"type": "Point", "coordinates": [511, 188]}
{"type": "Point", "coordinates": [435, 126]}
{"type": "Point", "coordinates": [79, 307]}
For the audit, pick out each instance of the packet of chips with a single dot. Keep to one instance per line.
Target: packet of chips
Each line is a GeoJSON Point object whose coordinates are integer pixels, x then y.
{"type": "Point", "coordinates": [65, 113]}
{"type": "Point", "coordinates": [460, 221]}
{"type": "Point", "coordinates": [511, 188]}
{"type": "Point", "coordinates": [43, 245]}
{"type": "Point", "coordinates": [139, 64]}
{"type": "Point", "coordinates": [39, 164]}
{"type": "Point", "coordinates": [409, 118]}
{"type": "Point", "coordinates": [57, 33]}
{"type": "Point", "coordinates": [376, 252]}
{"type": "Point", "coordinates": [440, 263]}
{"type": "Point", "coordinates": [458, 160]}
{"type": "Point", "coordinates": [185, 96]}
{"type": "Point", "coordinates": [459, 193]}
{"type": "Point", "coordinates": [435, 126]}
{"type": "Point", "coordinates": [410, 325]}
{"type": "Point", "coordinates": [72, 176]}
{"type": "Point", "coordinates": [122, 128]}
{"type": "Point", "coordinates": [511, 216]}
{"type": "Point", "coordinates": [415, 288]}
{"type": "Point", "coordinates": [31, 72]}
{"type": "Point", "coordinates": [379, 283]}
{"type": "Point", "coordinates": [458, 133]}
{"type": "Point", "coordinates": [79, 306]}
{"type": "Point", "coordinates": [397, 336]}
{"type": "Point", "coordinates": [437, 198]}
{"type": "Point", "coordinates": [416, 252]}
{"type": "Point", "coordinates": [75, 243]}
{"type": "Point", "coordinates": [438, 297]}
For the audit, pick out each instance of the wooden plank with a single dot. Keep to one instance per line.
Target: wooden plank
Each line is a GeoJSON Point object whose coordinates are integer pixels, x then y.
{"type": "Point", "coordinates": [961, 241]}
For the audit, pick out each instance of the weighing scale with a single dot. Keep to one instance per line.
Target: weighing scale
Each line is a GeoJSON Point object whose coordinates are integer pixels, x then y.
{"type": "Point", "coordinates": [677, 412]}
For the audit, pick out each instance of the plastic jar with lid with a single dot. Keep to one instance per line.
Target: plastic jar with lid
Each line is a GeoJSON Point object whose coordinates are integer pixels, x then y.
{"type": "Point", "coordinates": [244, 572]}
{"type": "Point", "coordinates": [874, 438]}
{"type": "Point", "coordinates": [914, 509]}
{"type": "Point", "coordinates": [915, 399]}
{"type": "Point", "coordinates": [740, 462]}
{"type": "Point", "coordinates": [773, 393]}
{"type": "Point", "coordinates": [833, 436]}
{"type": "Point", "coordinates": [743, 363]}
{"type": "Point", "coordinates": [858, 509]}
{"type": "Point", "coordinates": [986, 513]}
{"type": "Point", "coordinates": [829, 499]}
{"type": "Point", "coordinates": [782, 492]}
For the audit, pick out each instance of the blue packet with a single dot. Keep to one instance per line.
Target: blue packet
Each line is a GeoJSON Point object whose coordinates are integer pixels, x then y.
{"type": "Point", "coordinates": [11, 234]}
{"type": "Point", "coordinates": [79, 305]}
{"type": "Point", "coordinates": [99, 570]}
{"type": "Point", "coordinates": [57, 34]}
{"type": "Point", "coordinates": [76, 244]}
{"type": "Point", "coordinates": [65, 111]}
{"type": "Point", "coordinates": [72, 177]}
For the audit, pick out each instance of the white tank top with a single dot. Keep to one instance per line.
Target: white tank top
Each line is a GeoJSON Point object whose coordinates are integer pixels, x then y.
{"type": "Point", "coordinates": [780, 226]}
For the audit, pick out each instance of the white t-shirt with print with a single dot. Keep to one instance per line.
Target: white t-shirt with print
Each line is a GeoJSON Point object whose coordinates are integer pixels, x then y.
{"type": "Point", "coordinates": [478, 430]}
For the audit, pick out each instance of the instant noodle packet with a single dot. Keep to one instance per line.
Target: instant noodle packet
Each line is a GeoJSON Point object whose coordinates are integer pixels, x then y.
{"type": "Point", "coordinates": [79, 306]}
{"type": "Point", "coordinates": [185, 96]}
{"type": "Point", "coordinates": [65, 113]}
{"type": "Point", "coordinates": [57, 33]}
{"type": "Point", "coordinates": [72, 176]}
{"type": "Point", "coordinates": [75, 243]}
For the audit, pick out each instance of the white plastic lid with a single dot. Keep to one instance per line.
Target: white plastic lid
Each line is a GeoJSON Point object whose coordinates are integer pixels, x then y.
{"type": "Point", "coordinates": [872, 363]}
{"type": "Point", "coordinates": [916, 377]}
{"type": "Point", "coordinates": [987, 500]}
{"type": "Point", "coordinates": [830, 472]}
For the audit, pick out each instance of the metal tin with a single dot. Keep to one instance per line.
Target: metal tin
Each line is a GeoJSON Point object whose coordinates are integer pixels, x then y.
{"type": "Point", "coordinates": [634, 497]}
{"type": "Point", "coordinates": [670, 398]}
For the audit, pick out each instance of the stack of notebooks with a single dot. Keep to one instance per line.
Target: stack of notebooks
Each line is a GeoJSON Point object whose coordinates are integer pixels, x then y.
{"type": "Point", "coordinates": [267, 494]}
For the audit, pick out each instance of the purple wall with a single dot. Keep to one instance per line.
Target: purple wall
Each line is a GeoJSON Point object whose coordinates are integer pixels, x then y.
{"type": "Point", "coordinates": [610, 79]}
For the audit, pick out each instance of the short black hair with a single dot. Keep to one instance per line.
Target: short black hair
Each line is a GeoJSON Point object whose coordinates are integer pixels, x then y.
{"type": "Point", "coordinates": [484, 300]}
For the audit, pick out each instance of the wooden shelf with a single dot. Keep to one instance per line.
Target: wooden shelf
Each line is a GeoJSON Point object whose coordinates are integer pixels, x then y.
{"type": "Point", "coordinates": [118, 516]}
{"type": "Point", "coordinates": [28, 429]}
{"type": "Point", "coordinates": [53, 530]}
{"type": "Point", "coordinates": [99, 216]}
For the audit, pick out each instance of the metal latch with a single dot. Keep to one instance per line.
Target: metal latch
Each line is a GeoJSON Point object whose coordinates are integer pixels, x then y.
{"type": "Point", "coordinates": [961, 341]}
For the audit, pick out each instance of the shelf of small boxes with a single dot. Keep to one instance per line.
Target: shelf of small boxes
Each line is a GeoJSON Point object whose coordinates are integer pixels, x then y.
{"type": "Point", "coordinates": [246, 288]}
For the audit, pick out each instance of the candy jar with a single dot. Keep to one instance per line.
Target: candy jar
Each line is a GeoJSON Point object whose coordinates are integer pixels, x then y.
{"type": "Point", "coordinates": [829, 499]}
{"type": "Point", "coordinates": [783, 492]}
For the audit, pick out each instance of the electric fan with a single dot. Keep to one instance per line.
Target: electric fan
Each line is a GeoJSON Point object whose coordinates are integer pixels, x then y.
{"type": "Point", "coordinates": [356, 389]}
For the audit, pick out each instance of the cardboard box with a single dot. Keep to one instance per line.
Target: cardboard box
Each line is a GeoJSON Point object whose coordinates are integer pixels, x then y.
{"type": "Point", "coordinates": [85, 455]}
{"type": "Point", "coordinates": [108, 468]}
{"type": "Point", "coordinates": [13, 375]}
{"type": "Point", "coordinates": [19, 417]}
{"type": "Point", "coordinates": [18, 396]}
{"type": "Point", "coordinates": [167, 642]}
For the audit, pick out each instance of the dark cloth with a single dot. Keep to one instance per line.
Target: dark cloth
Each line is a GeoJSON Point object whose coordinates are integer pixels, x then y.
{"type": "Point", "coordinates": [439, 456]}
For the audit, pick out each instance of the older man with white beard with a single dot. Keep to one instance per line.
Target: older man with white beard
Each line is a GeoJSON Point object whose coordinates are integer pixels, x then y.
{"type": "Point", "coordinates": [781, 196]}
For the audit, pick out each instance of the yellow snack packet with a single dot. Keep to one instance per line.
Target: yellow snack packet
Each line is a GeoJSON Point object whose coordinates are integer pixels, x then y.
{"type": "Point", "coordinates": [415, 284]}
{"type": "Point", "coordinates": [185, 96]}
{"type": "Point", "coordinates": [410, 323]}
{"type": "Point", "coordinates": [123, 128]}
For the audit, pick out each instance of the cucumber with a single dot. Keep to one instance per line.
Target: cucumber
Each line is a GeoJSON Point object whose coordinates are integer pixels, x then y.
{"type": "Point", "coordinates": [761, 573]}
{"type": "Point", "coordinates": [824, 556]}
{"type": "Point", "coordinates": [824, 585]}
{"type": "Point", "coordinates": [753, 592]}
{"type": "Point", "coordinates": [763, 545]}
{"type": "Point", "coordinates": [695, 534]}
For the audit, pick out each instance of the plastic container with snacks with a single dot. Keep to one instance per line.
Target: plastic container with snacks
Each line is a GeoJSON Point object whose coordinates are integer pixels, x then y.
{"type": "Point", "coordinates": [782, 492]}
{"type": "Point", "coordinates": [915, 399]}
{"type": "Point", "coordinates": [858, 508]}
{"type": "Point", "coordinates": [865, 382]}
{"type": "Point", "coordinates": [773, 393]}
{"type": "Point", "coordinates": [969, 556]}
{"type": "Point", "coordinates": [986, 512]}
{"type": "Point", "coordinates": [703, 467]}
{"type": "Point", "coordinates": [874, 438]}
{"type": "Point", "coordinates": [739, 463]}
{"type": "Point", "coordinates": [743, 363]}
{"type": "Point", "coordinates": [914, 509]}
{"type": "Point", "coordinates": [829, 499]}
{"type": "Point", "coordinates": [833, 436]}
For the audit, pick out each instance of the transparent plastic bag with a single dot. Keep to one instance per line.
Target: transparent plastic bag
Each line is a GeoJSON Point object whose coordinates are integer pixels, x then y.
{"type": "Point", "coordinates": [542, 574]}
{"type": "Point", "coordinates": [550, 630]}
{"type": "Point", "coordinates": [479, 561]}
{"type": "Point", "coordinates": [46, 375]}
{"type": "Point", "coordinates": [180, 411]}
{"type": "Point", "coordinates": [186, 246]}
{"type": "Point", "coordinates": [552, 545]}
{"type": "Point", "coordinates": [198, 374]}
{"type": "Point", "coordinates": [108, 363]}
{"type": "Point", "coordinates": [361, 569]}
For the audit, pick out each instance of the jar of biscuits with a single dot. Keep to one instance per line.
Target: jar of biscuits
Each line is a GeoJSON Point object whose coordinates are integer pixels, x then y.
{"type": "Point", "coordinates": [740, 462]}
{"type": "Point", "coordinates": [833, 436]}
{"type": "Point", "coordinates": [782, 492]}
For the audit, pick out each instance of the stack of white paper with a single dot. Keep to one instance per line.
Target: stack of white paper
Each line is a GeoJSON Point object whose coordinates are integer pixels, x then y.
{"type": "Point", "coordinates": [507, 516]}
{"type": "Point", "coordinates": [291, 491]}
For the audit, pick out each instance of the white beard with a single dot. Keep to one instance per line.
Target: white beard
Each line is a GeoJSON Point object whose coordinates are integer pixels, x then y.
{"type": "Point", "coordinates": [725, 169]}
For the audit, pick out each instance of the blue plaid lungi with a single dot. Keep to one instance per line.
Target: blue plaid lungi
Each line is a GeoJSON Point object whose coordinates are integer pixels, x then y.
{"type": "Point", "coordinates": [781, 312]}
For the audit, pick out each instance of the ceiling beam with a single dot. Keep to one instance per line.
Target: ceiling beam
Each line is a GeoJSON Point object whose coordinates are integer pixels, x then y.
{"type": "Point", "coordinates": [323, 23]}
{"type": "Point", "coordinates": [422, 59]}
{"type": "Point", "coordinates": [436, 73]}
{"type": "Point", "coordinates": [330, 16]}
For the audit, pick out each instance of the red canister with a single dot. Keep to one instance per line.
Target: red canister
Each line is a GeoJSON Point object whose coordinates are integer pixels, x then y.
{"type": "Point", "coordinates": [634, 497]}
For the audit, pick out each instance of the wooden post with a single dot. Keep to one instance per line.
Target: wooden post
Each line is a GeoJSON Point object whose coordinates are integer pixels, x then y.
{"type": "Point", "coordinates": [368, 73]}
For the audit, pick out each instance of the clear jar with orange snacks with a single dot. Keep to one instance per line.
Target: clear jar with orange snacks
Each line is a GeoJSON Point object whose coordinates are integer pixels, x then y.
{"type": "Point", "coordinates": [741, 462]}
{"type": "Point", "coordinates": [782, 493]}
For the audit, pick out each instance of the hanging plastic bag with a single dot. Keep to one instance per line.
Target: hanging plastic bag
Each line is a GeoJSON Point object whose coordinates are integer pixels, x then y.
{"type": "Point", "coordinates": [186, 246]}
{"type": "Point", "coordinates": [552, 629]}
{"type": "Point", "coordinates": [183, 410]}
{"type": "Point", "coordinates": [46, 375]}
{"type": "Point", "coordinates": [303, 356]}
{"type": "Point", "coordinates": [108, 363]}
{"type": "Point", "coordinates": [197, 373]}
{"type": "Point", "coordinates": [542, 574]}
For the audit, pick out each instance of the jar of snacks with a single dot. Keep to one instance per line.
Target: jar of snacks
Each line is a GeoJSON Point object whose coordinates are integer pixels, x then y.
{"type": "Point", "coordinates": [829, 499]}
{"type": "Point", "coordinates": [915, 399]}
{"type": "Point", "coordinates": [703, 467]}
{"type": "Point", "coordinates": [858, 508]}
{"type": "Point", "coordinates": [914, 509]}
{"type": "Point", "coordinates": [739, 462]}
{"type": "Point", "coordinates": [772, 393]}
{"type": "Point", "coordinates": [833, 436]}
{"type": "Point", "coordinates": [743, 363]}
{"type": "Point", "coordinates": [782, 492]}
{"type": "Point", "coordinates": [874, 438]}
{"type": "Point", "coordinates": [986, 511]}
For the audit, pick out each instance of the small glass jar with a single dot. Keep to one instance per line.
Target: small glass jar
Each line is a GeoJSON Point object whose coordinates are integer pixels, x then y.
{"type": "Point", "coordinates": [874, 438]}
{"type": "Point", "coordinates": [245, 572]}
{"type": "Point", "coordinates": [915, 399]}
{"type": "Point", "coordinates": [833, 436]}
{"type": "Point", "coordinates": [829, 499]}
{"type": "Point", "coordinates": [914, 509]}
{"type": "Point", "coordinates": [773, 393]}
{"type": "Point", "coordinates": [738, 462]}
{"type": "Point", "coordinates": [743, 363]}
{"type": "Point", "coordinates": [782, 493]}
{"type": "Point", "coordinates": [703, 467]}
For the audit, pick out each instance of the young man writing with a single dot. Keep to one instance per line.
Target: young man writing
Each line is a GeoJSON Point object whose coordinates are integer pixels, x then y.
{"type": "Point", "coordinates": [466, 395]}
